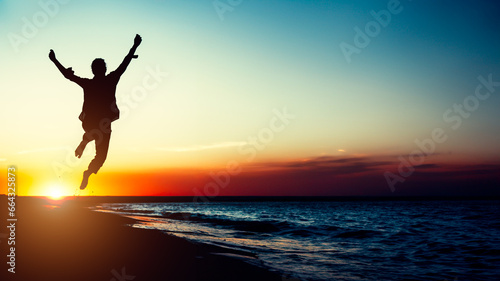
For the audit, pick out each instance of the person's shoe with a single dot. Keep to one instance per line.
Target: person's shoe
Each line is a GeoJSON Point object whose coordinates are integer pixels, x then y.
{"type": "Point", "coordinates": [85, 180]}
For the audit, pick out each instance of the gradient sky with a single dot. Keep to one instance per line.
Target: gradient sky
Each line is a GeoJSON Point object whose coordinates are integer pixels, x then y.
{"type": "Point", "coordinates": [223, 77]}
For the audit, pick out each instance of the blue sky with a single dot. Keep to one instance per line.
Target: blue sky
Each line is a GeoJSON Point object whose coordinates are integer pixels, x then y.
{"type": "Point", "coordinates": [227, 75]}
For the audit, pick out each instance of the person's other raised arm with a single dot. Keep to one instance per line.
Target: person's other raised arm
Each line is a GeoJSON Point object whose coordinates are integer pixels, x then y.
{"type": "Point", "coordinates": [131, 55]}
{"type": "Point", "coordinates": [68, 73]}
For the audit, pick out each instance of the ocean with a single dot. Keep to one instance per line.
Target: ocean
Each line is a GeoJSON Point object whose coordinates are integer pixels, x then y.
{"type": "Point", "coordinates": [350, 240]}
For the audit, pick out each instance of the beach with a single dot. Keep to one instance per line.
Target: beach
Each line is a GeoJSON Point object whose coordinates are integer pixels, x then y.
{"type": "Point", "coordinates": [64, 240]}
{"type": "Point", "coordinates": [173, 238]}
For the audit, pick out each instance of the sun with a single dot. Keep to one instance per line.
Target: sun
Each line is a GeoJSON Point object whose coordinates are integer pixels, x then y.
{"type": "Point", "coordinates": [56, 192]}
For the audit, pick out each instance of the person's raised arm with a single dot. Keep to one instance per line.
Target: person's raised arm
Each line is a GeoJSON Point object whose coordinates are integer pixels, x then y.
{"type": "Point", "coordinates": [67, 72]}
{"type": "Point", "coordinates": [131, 55]}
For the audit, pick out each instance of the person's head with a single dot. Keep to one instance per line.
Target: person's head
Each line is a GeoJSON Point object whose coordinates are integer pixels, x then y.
{"type": "Point", "coordinates": [99, 67]}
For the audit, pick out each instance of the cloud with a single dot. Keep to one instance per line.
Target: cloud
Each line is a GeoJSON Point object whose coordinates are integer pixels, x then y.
{"type": "Point", "coordinates": [329, 165]}
{"type": "Point", "coordinates": [364, 176]}
{"type": "Point", "coordinates": [203, 147]}
{"type": "Point", "coordinates": [427, 166]}
{"type": "Point", "coordinates": [458, 172]}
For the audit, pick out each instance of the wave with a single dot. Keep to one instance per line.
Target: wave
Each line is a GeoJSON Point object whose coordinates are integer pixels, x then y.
{"type": "Point", "coordinates": [241, 225]}
{"type": "Point", "coordinates": [358, 234]}
{"type": "Point", "coordinates": [137, 211]}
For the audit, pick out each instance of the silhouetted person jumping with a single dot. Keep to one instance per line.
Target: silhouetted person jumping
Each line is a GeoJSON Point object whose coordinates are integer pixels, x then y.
{"type": "Point", "coordinates": [99, 106]}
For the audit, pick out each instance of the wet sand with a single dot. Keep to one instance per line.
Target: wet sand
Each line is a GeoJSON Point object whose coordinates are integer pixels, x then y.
{"type": "Point", "coordinates": [66, 241]}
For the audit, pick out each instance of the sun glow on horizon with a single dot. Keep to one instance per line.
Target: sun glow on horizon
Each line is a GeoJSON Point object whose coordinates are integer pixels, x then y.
{"type": "Point", "coordinates": [56, 192]}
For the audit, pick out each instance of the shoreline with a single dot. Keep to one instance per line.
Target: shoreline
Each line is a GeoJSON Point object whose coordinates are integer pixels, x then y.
{"type": "Point", "coordinates": [92, 200]}
{"type": "Point", "coordinates": [66, 240]}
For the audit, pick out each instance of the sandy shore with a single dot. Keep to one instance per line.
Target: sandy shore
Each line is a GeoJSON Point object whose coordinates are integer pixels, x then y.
{"type": "Point", "coordinates": [66, 241]}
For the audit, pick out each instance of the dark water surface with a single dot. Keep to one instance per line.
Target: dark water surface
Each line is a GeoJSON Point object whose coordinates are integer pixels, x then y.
{"type": "Point", "coordinates": [384, 240]}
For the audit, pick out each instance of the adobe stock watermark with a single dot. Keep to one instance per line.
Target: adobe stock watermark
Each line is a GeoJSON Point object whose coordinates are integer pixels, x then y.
{"type": "Point", "coordinates": [453, 116]}
{"type": "Point", "coordinates": [255, 143]}
{"type": "Point", "coordinates": [150, 82]}
{"type": "Point", "coordinates": [32, 25]}
{"type": "Point", "coordinates": [363, 37]}
{"type": "Point", "coordinates": [223, 6]}
{"type": "Point", "coordinates": [126, 103]}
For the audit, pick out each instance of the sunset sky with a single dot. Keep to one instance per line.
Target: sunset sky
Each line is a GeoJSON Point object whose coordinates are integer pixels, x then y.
{"type": "Point", "coordinates": [257, 97]}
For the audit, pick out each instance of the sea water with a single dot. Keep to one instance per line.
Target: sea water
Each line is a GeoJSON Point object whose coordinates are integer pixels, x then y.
{"type": "Point", "coordinates": [354, 240]}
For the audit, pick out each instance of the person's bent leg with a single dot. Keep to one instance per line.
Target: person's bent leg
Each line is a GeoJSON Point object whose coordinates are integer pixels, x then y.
{"type": "Point", "coordinates": [102, 146]}
{"type": "Point", "coordinates": [90, 128]}
{"type": "Point", "coordinates": [81, 147]}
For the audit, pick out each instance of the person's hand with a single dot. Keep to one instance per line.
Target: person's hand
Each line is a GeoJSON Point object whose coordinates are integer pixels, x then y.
{"type": "Point", "coordinates": [69, 71]}
{"type": "Point", "coordinates": [137, 40]}
{"type": "Point", "coordinates": [52, 55]}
